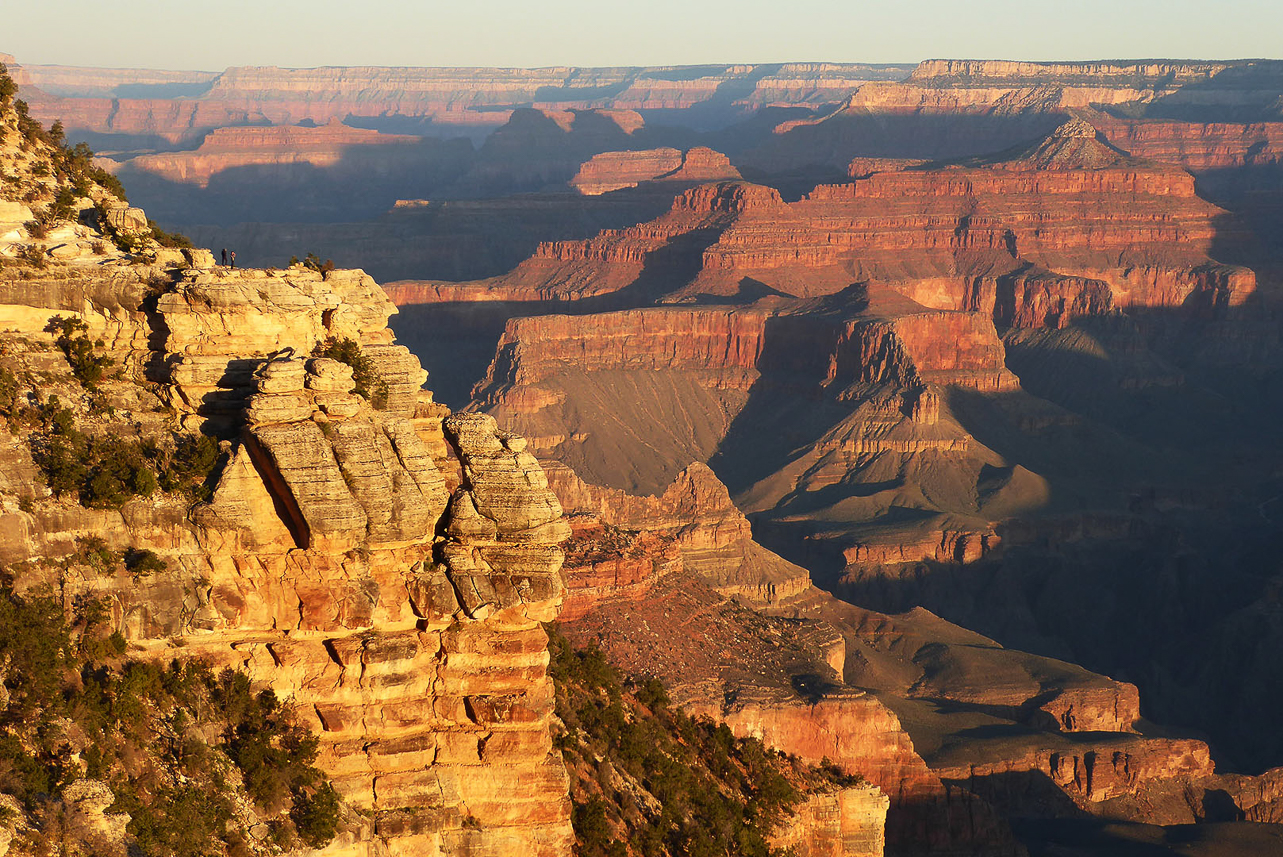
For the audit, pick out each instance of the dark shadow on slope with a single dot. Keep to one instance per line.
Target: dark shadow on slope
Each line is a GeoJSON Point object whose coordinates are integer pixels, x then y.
{"type": "Point", "coordinates": [1242, 93]}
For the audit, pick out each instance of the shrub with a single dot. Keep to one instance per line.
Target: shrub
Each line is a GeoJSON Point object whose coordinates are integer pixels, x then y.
{"type": "Point", "coordinates": [141, 727]}
{"type": "Point", "coordinates": [34, 255]}
{"type": "Point", "coordinates": [143, 563]}
{"type": "Point", "coordinates": [368, 383]}
{"type": "Point", "coordinates": [116, 470]}
{"type": "Point", "coordinates": [93, 552]}
{"type": "Point", "coordinates": [73, 338]}
{"type": "Point", "coordinates": [717, 794]}
{"type": "Point", "coordinates": [8, 89]}
{"type": "Point", "coordinates": [316, 815]}
{"type": "Point", "coordinates": [8, 393]}
{"type": "Point", "coordinates": [64, 204]}
{"type": "Point", "coordinates": [168, 239]}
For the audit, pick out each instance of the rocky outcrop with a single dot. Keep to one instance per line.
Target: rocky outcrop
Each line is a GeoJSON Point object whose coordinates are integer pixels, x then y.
{"type": "Point", "coordinates": [847, 822]}
{"type": "Point", "coordinates": [695, 514]}
{"type": "Point", "coordinates": [384, 569]}
{"type": "Point", "coordinates": [402, 618]}
{"type": "Point", "coordinates": [611, 171]}
{"type": "Point", "coordinates": [221, 325]}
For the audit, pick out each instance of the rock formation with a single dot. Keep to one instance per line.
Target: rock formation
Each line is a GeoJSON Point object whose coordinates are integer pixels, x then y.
{"type": "Point", "coordinates": [343, 561]}
{"type": "Point", "coordinates": [617, 170]}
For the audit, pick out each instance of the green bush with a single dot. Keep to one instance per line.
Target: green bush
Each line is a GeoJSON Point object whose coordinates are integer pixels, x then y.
{"type": "Point", "coordinates": [8, 88]}
{"type": "Point", "coordinates": [190, 468]}
{"type": "Point", "coordinates": [316, 815]}
{"type": "Point", "coordinates": [73, 338]}
{"type": "Point", "coordinates": [168, 239]}
{"type": "Point", "coordinates": [9, 401]}
{"type": "Point", "coordinates": [142, 563]}
{"type": "Point", "coordinates": [368, 382]}
{"type": "Point", "coordinates": [141, 728]}
{"type": "Point", "coordinates": [718, 794]}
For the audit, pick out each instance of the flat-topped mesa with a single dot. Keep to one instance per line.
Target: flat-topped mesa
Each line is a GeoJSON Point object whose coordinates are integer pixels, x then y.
{"type": "Point", "coordinates": [611, 171]}
{"type": "Point", "coordinates": [578, 385]}
{"type": "Point", "coordinates": [540, 347]}
{"type": "Point", "coordinates": [329, 146]}
{"type": "Point", "coordinates": [946, 72]}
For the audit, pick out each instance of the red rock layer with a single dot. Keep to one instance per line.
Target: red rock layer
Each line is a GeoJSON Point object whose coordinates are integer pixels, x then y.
{"type": "Point", "coordinates": [936, 234]}
{"type": "Point", "coordinates": [617, 170]}
{"type": "Point", "coordinates": [540, 347]}
{"type": "Point", "coordinates": [609, 262]}
{"type": "Point", "coordinates": [1062, 228]}
{"type": "Point", "coordinates": [696, 516]}
{"type": "Point", "coordinates": [1196, 146]}
{"type": "Point", "coordinates": [921, 349]}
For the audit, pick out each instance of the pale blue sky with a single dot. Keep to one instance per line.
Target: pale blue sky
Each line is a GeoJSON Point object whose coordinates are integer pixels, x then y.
{"type": "Point", "coordinates": [303, 33]}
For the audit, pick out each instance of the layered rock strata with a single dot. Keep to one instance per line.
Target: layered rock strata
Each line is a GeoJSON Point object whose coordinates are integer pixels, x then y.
{"type": "Point", "coordinates": [386, 570]}
{"type": "Point", "coordinates": [136, 103]}
{"type": "Point", "coordinates": [694, 515]}
{"type": "Point", "coordinates": [611, 171]}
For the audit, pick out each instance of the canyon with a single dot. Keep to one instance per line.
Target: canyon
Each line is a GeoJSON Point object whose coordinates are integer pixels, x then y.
{"type": "Point", "coordinates": [916, 421]}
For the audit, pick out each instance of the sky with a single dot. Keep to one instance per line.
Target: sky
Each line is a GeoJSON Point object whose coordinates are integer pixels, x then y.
{"type": "Point", "coordinates": [182, 34]}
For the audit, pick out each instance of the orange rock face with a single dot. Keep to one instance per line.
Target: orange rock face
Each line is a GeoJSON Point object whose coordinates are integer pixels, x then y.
{"type": "Point", "coordinates": [617, 170]}
{"type": "Point", "coordinates": [386, 570]}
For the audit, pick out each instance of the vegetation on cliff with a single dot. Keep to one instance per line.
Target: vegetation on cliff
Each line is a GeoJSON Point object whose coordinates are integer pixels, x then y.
{"type": "Point", "coordinates": [193, 757]}
{"type": "Point", "coordinates": [368, 382]}
{"type": "Point", "coordinates": [59, 177]}
{"type": "Point", "coordinates": [648, 779]}
{"type": "Point", "coordinates": [85, 447]}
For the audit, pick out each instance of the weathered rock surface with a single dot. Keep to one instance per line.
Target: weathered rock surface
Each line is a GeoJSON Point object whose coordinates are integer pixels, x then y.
{"type": "Point", "coordinates": [611, 171]}
{"type": "Point", "coordinates": [694, 515]}
{"type": "Point", "coordinates": [844, 823]}
{"type": "Point", "coordinates": [387, 575]}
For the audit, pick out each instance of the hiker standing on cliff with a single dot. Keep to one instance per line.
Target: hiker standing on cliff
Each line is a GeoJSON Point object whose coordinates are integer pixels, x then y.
{"type": "Point", "coordinates": [224, 256]}
{"type": "Point", "coordinates": [233, 258]}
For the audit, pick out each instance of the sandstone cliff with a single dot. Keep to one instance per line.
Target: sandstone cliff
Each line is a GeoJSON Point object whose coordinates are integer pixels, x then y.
{"type": "Point", "coordinates": [392, 594]}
